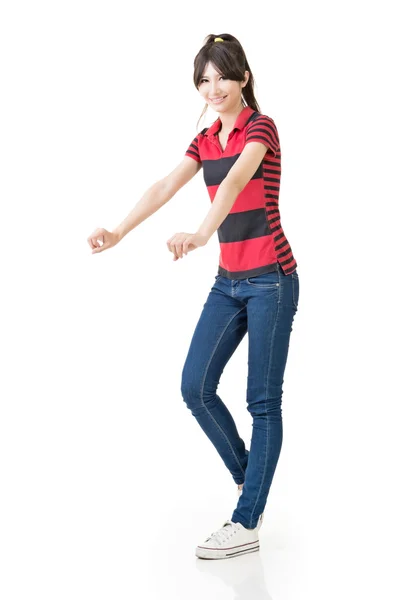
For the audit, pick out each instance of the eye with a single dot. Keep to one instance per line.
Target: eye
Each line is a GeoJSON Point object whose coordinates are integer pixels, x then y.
{"type": "Point", "coordinates": [222, 77]}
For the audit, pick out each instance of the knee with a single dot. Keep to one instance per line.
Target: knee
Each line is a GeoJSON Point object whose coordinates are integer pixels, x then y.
{"type": "Point", "coordinates": [271, 408]}
{"type": "Point", "coordinates": [196, 393]}
{"type": "Point", "coordinates": [191, 391]}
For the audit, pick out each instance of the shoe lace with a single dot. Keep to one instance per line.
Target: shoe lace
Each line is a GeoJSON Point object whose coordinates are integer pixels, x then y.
{"type": "Point", "coordinates": [223, 534]}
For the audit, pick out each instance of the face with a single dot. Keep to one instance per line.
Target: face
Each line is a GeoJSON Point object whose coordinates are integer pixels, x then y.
{"type": "Point", "coordinates": [212, 86]}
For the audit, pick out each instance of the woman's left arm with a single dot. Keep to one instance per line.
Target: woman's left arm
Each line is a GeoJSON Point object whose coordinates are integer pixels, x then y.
{"type": "Point", "coordinates": [229, 189]}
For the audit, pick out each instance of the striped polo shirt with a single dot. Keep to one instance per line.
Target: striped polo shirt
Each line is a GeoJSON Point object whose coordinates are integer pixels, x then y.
{"type": "Point", "coordinates": [251, 238]}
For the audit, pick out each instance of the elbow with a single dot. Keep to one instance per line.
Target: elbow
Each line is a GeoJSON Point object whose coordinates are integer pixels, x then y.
{"type": "Point", "coordinates": [234, 186]}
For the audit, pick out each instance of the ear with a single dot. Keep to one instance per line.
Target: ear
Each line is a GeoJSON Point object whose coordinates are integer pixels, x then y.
{"type": "Point", "coordinates": [246, 78]}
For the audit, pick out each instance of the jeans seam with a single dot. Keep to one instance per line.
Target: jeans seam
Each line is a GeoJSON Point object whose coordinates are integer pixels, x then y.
{"type": "Point", "coordinates": [294, 293]}
{"type": "Point", "coordinates": [202, 388]}
{"type": "Point", "coordinates": [265, 394]}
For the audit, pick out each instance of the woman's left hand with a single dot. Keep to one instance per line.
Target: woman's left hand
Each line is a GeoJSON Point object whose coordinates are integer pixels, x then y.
{"type": "Point", "coordinates": [182, 243]}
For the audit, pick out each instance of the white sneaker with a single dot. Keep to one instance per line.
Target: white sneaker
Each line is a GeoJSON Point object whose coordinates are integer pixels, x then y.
{"type": "Point", "coordinates": [231, 540]}
{"type": "Point", "coordinates": [260, 518]}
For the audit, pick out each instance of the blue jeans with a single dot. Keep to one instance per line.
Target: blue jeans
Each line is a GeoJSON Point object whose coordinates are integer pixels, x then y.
{"type": "Point", "coordinates": [264, 306]}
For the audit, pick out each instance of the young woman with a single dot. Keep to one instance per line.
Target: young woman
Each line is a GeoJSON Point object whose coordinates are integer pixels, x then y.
{"type": "Point", "coordinates": [256, 289]}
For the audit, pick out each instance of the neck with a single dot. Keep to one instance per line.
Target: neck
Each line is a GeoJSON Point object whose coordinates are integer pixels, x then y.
{"type": "Point", "coordinates": [228, 119]}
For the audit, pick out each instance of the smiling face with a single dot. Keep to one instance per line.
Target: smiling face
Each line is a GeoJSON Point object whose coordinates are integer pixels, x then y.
{"type": "Point", "coordinates": [223, 95]}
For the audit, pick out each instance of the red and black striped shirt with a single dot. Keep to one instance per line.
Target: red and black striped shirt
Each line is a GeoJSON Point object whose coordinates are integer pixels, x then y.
{"type": "Point", "coordinates": [251, 238]}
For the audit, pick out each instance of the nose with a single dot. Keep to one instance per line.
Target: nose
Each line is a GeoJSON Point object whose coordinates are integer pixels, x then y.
{"type": "Point", "coordinates": [214, 89]}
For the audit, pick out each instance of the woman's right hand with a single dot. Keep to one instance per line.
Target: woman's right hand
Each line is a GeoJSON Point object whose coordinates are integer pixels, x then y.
{"type": "Point", "coordinates": [108, 239]}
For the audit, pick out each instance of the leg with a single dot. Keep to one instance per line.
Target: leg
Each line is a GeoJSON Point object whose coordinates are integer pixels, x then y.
{"type": "Point", "coordinates": [272, 304]}
{"type": "Point", "coordinates": [220, 329]}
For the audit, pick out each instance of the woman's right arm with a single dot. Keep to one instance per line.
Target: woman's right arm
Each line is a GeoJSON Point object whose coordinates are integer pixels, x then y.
{"type": "Point", "coordinates": [154, 198]}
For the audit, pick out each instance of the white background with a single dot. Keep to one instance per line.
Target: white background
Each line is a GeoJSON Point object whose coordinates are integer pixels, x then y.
{"type": "Point", "coordinates": [107, 481]}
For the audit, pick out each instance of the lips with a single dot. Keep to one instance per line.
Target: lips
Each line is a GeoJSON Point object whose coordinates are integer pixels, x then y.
{"type": "Point", "coordinates": [217, 100]}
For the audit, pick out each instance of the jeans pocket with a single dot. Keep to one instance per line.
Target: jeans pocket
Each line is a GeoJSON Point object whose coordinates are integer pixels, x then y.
{"type": "Point", "coordinates": [266, 280]}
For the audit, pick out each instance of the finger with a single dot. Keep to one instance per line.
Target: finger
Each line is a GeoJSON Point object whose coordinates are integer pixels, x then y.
{"type": "Point", "coordinates": [92, 238]}
{"type": "Point", "coordinates": [171, 239]}
{"type": "Point", "coordinates": [177, 249]}
{"type": "Point", "coordinates": [93, 241]}
{"type": "Point", "coordinates": [171, 247]}
{"type": "Point", "coordinates": [100, 248]}
{"type": "Point", "coordinates": [175, 252]}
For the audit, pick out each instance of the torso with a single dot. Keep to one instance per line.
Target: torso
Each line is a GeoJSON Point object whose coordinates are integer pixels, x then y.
{"type": "Point", "coordinates": [252, 241]}
{"type": "Point", "coordinates": [223, 140]}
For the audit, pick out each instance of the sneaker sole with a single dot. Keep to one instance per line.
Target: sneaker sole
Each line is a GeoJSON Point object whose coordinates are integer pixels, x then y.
{"type": "Point", "coordinates": [217, 553]}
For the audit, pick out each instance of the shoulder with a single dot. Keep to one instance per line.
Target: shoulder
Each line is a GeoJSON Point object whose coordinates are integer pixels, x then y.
{"type": "Point", "coordinates": [262, 129]}
{"type": "Point", "coordinates": [257, 117]}
{"type": "Point", "coordinates": [260, 122]}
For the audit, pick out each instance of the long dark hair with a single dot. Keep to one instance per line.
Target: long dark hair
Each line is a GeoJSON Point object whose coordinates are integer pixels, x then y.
{"type": "Point", "coordinates": [230, 61]}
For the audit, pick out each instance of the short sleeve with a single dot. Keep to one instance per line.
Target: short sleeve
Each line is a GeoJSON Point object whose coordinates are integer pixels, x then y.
{"type": "Point", "coordinates": [263, 129]}
{"type": "Point", "coordinates": [193, 150]}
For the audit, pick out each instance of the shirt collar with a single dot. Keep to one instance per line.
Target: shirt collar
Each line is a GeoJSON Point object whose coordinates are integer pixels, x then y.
{"type": "Point", "coordinates": [240, 122]}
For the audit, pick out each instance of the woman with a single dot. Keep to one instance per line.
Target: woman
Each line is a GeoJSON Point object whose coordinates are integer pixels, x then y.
{"type": "Point", "coordinates": [256, 289]}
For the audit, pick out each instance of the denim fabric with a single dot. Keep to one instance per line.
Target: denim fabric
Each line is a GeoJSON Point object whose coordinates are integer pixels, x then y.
{"type": "Point", "coordinates": [264, 307]}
